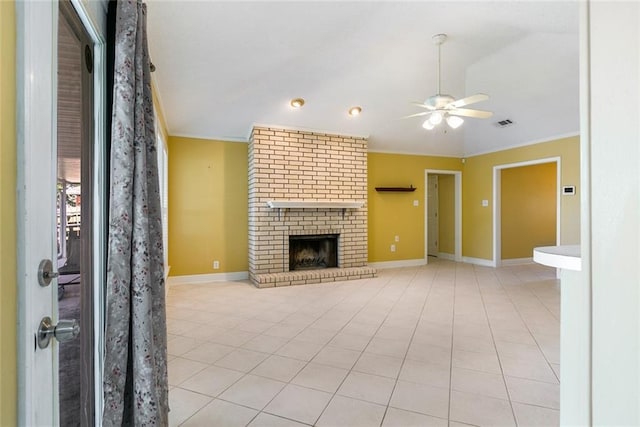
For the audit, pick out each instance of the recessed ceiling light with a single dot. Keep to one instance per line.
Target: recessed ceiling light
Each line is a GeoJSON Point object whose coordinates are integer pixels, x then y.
{"type": "Point", "coordinates": [355, 111]}
{"type": "Point", "coordinates": [297, 102]}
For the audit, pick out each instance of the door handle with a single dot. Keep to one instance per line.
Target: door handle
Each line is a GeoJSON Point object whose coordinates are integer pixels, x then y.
{"type": "Point", "coordinates": [65, 330]}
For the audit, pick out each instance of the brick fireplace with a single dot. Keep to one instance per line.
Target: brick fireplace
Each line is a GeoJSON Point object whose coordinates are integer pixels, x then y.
{"type": "Point", "coordinates": [306, 184]}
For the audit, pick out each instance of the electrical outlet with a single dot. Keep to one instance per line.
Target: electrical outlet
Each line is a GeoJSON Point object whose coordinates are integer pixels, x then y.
{"type": "Point", "coordinates": [485, 203]}
{"type": "Point", "coordinates": [216, 265]}
{"type": "Point", "coordinates": [393, 248]}
{"type": "Point", "coordinates": [397, 238]}
{"type": "Point", "coordinates": [416, 203]}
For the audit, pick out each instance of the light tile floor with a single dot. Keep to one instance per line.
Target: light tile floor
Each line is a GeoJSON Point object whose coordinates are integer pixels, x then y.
{"type": "Point", "coordinates": [446, 344]}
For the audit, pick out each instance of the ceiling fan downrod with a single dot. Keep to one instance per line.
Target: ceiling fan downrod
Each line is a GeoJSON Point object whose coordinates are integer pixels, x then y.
{"type": "Point", "coordinates": [438, 40]}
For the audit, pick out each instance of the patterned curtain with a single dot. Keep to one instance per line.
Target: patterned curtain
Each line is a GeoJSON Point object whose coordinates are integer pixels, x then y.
{"type": "Point", "coordinates": [135, 371]}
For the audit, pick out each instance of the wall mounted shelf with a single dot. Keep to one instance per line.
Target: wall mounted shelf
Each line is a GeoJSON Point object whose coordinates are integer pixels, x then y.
{"type": "Point", "coordinates": [396, 189]}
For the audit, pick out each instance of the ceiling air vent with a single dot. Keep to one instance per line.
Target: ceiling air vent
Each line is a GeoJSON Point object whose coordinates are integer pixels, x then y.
{"type": "Point", "coordinates": [504, 123]}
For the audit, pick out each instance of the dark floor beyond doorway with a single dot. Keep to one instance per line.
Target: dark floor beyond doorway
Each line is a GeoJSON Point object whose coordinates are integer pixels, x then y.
{"type": "Point", "coordinates": [69, 361]}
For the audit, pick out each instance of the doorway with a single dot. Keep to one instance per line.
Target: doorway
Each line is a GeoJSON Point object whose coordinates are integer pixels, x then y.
{"type": "Point", "coordinates": [529, 195]}
{"type": "Point", "coordinates": [443, 214]}
{"type": "Point", "coordinates": [74, 216]}
{"type": "Point", "coordinates": [433, 220]}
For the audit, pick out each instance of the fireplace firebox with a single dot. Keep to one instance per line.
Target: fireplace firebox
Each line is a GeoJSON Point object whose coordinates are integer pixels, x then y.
{"type": "Point", "coordinates": [311, 252]}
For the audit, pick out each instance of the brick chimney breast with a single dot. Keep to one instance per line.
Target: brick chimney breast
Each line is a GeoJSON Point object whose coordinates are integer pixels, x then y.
{"type": "Point", "coordinates": [291, 165]}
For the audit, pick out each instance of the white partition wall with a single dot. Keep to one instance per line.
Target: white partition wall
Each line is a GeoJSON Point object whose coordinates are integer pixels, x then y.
{"type": "Point", "coordinates": [610, 163]}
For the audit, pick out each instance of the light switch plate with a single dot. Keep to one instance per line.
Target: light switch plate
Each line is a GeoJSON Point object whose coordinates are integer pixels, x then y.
{"type": "Point", "coordinates": [485, 203]}
{"type": "Point", "coordinates": [416, 203]}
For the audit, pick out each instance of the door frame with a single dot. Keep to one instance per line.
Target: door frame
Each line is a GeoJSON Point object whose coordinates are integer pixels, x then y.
{"type": "Point", "coordinates": [100, 191]}
{"type": "Point", "coordinates": [435, 219]}
{"type": "Point", "coordinates": [36, 85]}
{"type": "Point", "coordinates": [457, 212]}
{"type": "Point", "coordinates": [497, 188]}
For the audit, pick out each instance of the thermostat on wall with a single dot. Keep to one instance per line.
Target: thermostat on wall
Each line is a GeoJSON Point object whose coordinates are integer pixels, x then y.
{"type": "Point", "coordinates": [569, 190]}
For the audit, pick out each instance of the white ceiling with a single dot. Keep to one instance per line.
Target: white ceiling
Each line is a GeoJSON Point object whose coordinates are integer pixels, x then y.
{"type": "Point", "coordinates": [222, 67]}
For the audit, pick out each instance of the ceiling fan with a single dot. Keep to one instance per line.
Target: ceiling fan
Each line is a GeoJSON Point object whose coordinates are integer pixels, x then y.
{"type": "Point", "coordinates": [445, 107]}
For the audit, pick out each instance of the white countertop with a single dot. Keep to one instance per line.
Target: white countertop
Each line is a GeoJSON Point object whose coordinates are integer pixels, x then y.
{"type": "Point", "coordinates": [566, 256]}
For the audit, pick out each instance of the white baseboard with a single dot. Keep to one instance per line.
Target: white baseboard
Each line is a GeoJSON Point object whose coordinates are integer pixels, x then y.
{"type": "Point", "coordinates": [444, 255]}
{"type": "Point", "coordinates": [208, 278]}
{"type": "Point", "coordinates": [516, 261]}
{"type": "Point", "coordinates": [479, 261]}
{"type": "Point", "coordinates": [397, 264]}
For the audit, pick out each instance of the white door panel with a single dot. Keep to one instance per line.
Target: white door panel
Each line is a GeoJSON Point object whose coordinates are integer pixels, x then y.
{"type": "Point", "coordinates": [36, 202]}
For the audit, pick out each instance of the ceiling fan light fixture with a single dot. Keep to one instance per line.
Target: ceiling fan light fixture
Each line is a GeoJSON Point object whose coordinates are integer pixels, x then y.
{"type": "Point", "coordinates": [428, 125]}
{"type": "Point", "coordinates": [454, 122]}
{"type": "Point", "coordinates": [355, 111]}
{"type": "Point", "coordinates": [435, 118]}
{"type": "Point", "coordinates": [297, 102]}
{"type": "Point", "coordinates": [445, 107]}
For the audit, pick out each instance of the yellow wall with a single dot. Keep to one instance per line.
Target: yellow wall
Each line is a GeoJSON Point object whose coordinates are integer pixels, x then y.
{"type": "Point", "coordinates": [208, 202]}
{"type": "Point", "coordinates": [208, 207]}
{"type": "Point", "coordinates": [446, 214]}
{"type": "Point", "coordinates": [393, 214]}
{"type": "Point", "coordinates": [8, 346]}
{"type": "Point", "coordinates": [477, 184]}
{"type": "Point", "coordinates": [528, 209]}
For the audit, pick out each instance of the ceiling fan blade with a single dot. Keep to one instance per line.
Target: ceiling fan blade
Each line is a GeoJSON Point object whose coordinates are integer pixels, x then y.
{"type": "Point", "coordinates": [423, 105]}
{"type": "Point", "coordinates": [424, 113]}
{"type": "Point", "coordinates": [465, 112]}
{"type": "Point", "coordinates": [469, 100]}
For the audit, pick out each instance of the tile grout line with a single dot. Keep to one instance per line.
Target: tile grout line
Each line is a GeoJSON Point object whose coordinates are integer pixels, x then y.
{"type": "Point", "coordinates": [484, 306]}
{"type": "Point", "coordinates": [529, 330]}
{"type": "Point", "coordinates": [535, 294]}
{"type": "Point", "coordinates": [372, 336]}
{"type": "Point", "coordinates": [399, 288]}
{"type": "Point", "coordinates": [324, 345]}
{"type": "Point", "coordinates": [453, 322]}
{"type": "Point", "coordinates": [363, 350]}
{"type": "Point", "coordinates": [247, 373]}
{"type": "Point", "coordinates": [424, 303]}
{"type": "Point", "coordinates": [336, 333]}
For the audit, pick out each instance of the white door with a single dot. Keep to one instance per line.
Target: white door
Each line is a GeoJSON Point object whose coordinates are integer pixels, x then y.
{"type": "Point", "coordinates": [36, 202]}
{"type": "Point", "coordinates": [432, 215]}
{"type": "Point", "coordinates": [43, 163]}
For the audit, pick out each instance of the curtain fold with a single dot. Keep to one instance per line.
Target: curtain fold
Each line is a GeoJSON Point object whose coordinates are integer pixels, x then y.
{"type": "Point", "coordinates": [135, 370]}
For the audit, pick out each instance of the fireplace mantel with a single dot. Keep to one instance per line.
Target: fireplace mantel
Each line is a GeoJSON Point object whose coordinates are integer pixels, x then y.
{"type": "Point", "coordinates": [314, 204]}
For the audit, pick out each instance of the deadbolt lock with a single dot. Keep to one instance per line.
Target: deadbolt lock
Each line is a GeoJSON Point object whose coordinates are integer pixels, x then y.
{"type": "Point", "coordinates": [46, 273]}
